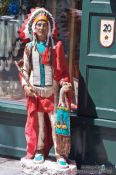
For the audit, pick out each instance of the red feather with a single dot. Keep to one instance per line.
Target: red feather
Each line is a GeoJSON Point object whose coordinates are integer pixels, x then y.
{"type": "Point", "coordinates": [45, 56]}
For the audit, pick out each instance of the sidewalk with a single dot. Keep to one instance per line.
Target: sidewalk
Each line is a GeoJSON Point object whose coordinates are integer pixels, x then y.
{"type": "Point", "coordinates": [10, 166]}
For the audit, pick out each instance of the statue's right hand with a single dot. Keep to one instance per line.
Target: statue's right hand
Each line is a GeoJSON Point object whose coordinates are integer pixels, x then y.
{"type": "Point", "coordinates": [29, 91]}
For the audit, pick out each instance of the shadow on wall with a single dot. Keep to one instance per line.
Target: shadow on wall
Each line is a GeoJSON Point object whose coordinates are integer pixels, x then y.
{"type": "Point", "coordinates": [87, 139]}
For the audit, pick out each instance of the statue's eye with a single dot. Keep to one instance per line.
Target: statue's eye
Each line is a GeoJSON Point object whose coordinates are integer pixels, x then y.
{"type": "Point", "coordinates": [39, 24]}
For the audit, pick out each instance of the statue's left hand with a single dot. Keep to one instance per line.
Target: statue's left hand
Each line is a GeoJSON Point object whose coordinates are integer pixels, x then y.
{"type": "Point", "coordinates": [66, 87]}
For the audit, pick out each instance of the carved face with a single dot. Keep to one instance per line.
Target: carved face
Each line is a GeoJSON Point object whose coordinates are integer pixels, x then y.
{"type": "Point", "coordinates": [42, 30]}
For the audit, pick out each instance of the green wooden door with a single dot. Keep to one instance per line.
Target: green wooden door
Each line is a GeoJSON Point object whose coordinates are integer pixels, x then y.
{"type": "Point", "coordinates": [97, 84]}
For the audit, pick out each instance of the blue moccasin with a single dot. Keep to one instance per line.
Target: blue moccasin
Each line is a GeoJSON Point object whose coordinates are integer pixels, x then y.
{"type": "Point", "coordinates": [62, 163]}
{"type": "Point", "coordinates": [39, 158]}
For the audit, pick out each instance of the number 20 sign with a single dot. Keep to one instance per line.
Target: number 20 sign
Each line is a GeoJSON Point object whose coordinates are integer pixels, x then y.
{"type": "Point", "coordinates": [107, 32]}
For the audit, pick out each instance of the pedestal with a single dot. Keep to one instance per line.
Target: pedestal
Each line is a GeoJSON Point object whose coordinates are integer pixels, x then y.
{"type": "Point", "coordinates": [49, 167]}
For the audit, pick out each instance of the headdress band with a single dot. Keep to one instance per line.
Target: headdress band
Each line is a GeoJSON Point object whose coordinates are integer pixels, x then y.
{"type": "Point", "coordinates": [41, 17]}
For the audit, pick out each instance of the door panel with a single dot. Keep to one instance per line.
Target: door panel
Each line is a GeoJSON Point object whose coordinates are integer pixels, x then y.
{"type": "Point", "coordinates": [97, 84]}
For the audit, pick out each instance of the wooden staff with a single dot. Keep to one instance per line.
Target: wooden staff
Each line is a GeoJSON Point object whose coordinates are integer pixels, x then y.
{"type": "Point", "coordinates": [25, 78]}
{"type": "Point", "coordinates": [72, 43]}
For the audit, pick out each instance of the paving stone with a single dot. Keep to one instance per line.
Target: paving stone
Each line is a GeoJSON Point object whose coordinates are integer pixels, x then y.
{"type": "Point", "coordinates": [9, 171]}
{"type": "Point", "coordinates": [10, 166]}
{"type": "Point", "coordinates": [2, 160]}
{"type": "Point", "coordinates": [12, 163]}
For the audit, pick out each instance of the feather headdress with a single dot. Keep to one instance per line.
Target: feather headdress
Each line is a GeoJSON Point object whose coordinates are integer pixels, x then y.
{"type": "Point", "coordinates": [27, 30]}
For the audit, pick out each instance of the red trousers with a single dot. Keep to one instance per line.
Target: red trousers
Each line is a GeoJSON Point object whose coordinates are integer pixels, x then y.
{"type": "Point", "coordinates": [35, 105]}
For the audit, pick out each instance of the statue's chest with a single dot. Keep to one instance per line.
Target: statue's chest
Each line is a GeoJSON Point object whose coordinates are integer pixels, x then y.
{"type": "Point", "coordinates": [42, 74]}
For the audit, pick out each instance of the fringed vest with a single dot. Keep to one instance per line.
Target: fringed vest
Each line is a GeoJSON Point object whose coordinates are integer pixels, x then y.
{"type": "Point", "coordinates": [42, 74]}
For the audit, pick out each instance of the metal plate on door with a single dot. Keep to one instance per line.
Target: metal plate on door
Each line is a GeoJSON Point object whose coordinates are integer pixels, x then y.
{"type": "Point", "coordinates": [107, 32]}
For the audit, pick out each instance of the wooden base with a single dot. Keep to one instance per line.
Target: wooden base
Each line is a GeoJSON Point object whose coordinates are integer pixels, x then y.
{"type": "Point", "coordinates": [49, 167]}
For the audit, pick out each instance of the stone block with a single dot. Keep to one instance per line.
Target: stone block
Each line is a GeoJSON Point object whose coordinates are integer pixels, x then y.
{"type": "Point", "coordinates": [49, 167]}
